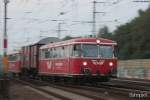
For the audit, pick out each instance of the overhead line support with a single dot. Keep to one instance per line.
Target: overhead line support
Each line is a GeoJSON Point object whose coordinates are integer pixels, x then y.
{"type": "Point", "coordinates": [94, 17]}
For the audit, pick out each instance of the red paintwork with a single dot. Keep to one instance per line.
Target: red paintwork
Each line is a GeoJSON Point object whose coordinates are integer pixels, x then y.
{"type": "Point", "coordinates": [73, 65]}
{"type": "Point", "coordinates": [94, 65]}
{"type": "Point", "coordinates": [14, 66]}
{"type": "Point", "coordinates": [54, 66]}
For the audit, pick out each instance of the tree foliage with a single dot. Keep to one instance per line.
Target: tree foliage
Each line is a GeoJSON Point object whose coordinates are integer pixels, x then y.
{"type": "Point", "coordinates": [67, 37]}
{"type": "Point", "coordinates": [133, 38]}
{"type": "Point", "coordinates": [104, 33]}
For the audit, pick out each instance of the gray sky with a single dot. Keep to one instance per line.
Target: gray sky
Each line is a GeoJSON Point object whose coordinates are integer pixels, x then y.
{"type": "Point", "coordinates": [32, 19]}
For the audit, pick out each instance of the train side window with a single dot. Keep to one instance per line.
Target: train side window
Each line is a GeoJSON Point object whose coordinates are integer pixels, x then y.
{"type": "Point", "coordinates": [42, 54]}
{"type": "Point", "coordinates": [54, 53]}
{"type": "Point", "coordinates": [66, 51]}
{"type": "Point", "coordinates": [12, 58]}
{"type": "Point", "coordinates": [70, 50]}
{"type": "Point", "coordinates": [51, 53]}
{"type": "Point", "coordinates": [76, 50]}
{"type": "Point", "coordinates": [19, 56]}
{"type": "Point", "coordinates": [59, 50]}
{"type": "Point", "coordinates": [47, 53]}
{"type": "Point", "coordinates": [63, 51]}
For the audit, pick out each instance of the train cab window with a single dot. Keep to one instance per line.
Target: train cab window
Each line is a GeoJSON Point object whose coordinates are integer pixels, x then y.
{"type": "Point", "coordinates": [106, 52]}
{"type": "Point", "coordinates": [90, 50]}
{"type": "Point", "coordinates": [115, 51]}
{"type": "Point", "coordinates": [76, 50]}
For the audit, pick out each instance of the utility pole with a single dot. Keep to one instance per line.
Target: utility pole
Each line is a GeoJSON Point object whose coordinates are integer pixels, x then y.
{"type": "Point", "coordinates": [94, 17]}
{"type": "Point", "coordinates": [94, 21]}
{"type": "Point", "coordinates": [59, 29]}
{"type": "Point", "coordinates": [4, 82]}
{"type": "Point", "coordinates": [5, 41]}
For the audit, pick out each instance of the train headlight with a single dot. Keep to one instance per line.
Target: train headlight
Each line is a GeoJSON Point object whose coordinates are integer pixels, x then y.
{"type": "Point", "coordinates": [98, 41]}
{"type": "Point", "coordinates": [84, 63]}
{"type": "Point", "coordinates": [111, 64]}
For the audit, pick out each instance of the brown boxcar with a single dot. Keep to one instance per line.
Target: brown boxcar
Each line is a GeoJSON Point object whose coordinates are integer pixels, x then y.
{"type": "Point", "coordinates": [25, 61]}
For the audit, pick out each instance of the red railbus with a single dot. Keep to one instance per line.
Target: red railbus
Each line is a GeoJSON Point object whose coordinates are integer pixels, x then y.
{"type": "Point", "coordinates": [14, 61]}
{"type": "Point", "coordinates": [80, 58]}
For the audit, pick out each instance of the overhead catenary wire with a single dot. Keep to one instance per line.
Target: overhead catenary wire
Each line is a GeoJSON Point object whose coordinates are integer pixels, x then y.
{"type": "Point", "coordinates": [30, 21]}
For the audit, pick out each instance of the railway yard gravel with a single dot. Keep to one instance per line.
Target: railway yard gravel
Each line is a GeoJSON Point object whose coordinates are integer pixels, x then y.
{"type": "Point", "coordinates": [19, 91]}
{"type": "Point", "coordinates": [23, 92]}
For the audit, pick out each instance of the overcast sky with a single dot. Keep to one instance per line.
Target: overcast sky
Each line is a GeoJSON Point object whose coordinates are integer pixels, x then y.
{"type": "Point", "coordinates": [31, 20]}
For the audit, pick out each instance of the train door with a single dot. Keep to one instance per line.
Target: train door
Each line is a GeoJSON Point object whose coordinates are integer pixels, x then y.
{"type": "Point", "coordinates": [48, 61]}
{"type": "Point", "coordinates": [61, 62]}
{"type": "Point", "coordinates": [67, 58]}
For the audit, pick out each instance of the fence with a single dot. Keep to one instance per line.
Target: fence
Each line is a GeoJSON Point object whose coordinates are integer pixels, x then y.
{"type": "Point", "coordinates": [139, 68]}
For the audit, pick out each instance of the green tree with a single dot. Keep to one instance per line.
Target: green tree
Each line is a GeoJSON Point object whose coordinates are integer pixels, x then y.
{"type": "Point", "coordinates": [67, 37]}
{"type": "Point", "coordinates": [133, 38]}
{"type": "Point", "coordinates": [104, 33]}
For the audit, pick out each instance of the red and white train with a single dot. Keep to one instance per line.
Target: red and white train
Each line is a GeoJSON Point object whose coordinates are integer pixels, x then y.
{"type": "Point", "coordinates": [80, 58]}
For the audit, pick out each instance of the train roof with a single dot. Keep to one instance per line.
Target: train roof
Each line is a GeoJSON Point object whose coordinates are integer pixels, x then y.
{"type": "Point", "coordinates": [45, 41]}
{"type": "Point", "coordinates": [48, 40]}
{"type": "Point", "coordinates": [101, 41]}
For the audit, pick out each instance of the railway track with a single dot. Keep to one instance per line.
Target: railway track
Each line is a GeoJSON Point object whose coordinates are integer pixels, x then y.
{"type": "Point", "coordinates": [37, 87]}
{"type": "Point", "coordinates": [102, 91]}
{"type": "Point", "coordinates": [46, 87]}
{"type": "Point", "coordinates": [130, 83]}
{"type": "Point", "coordinates": [130, 80]}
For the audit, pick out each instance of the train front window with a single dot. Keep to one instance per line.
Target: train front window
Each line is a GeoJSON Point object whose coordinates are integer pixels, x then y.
{"type": "Point", "coordinates": [90, 50]}
{"type": "Point", "coordinates": [106, 51]}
